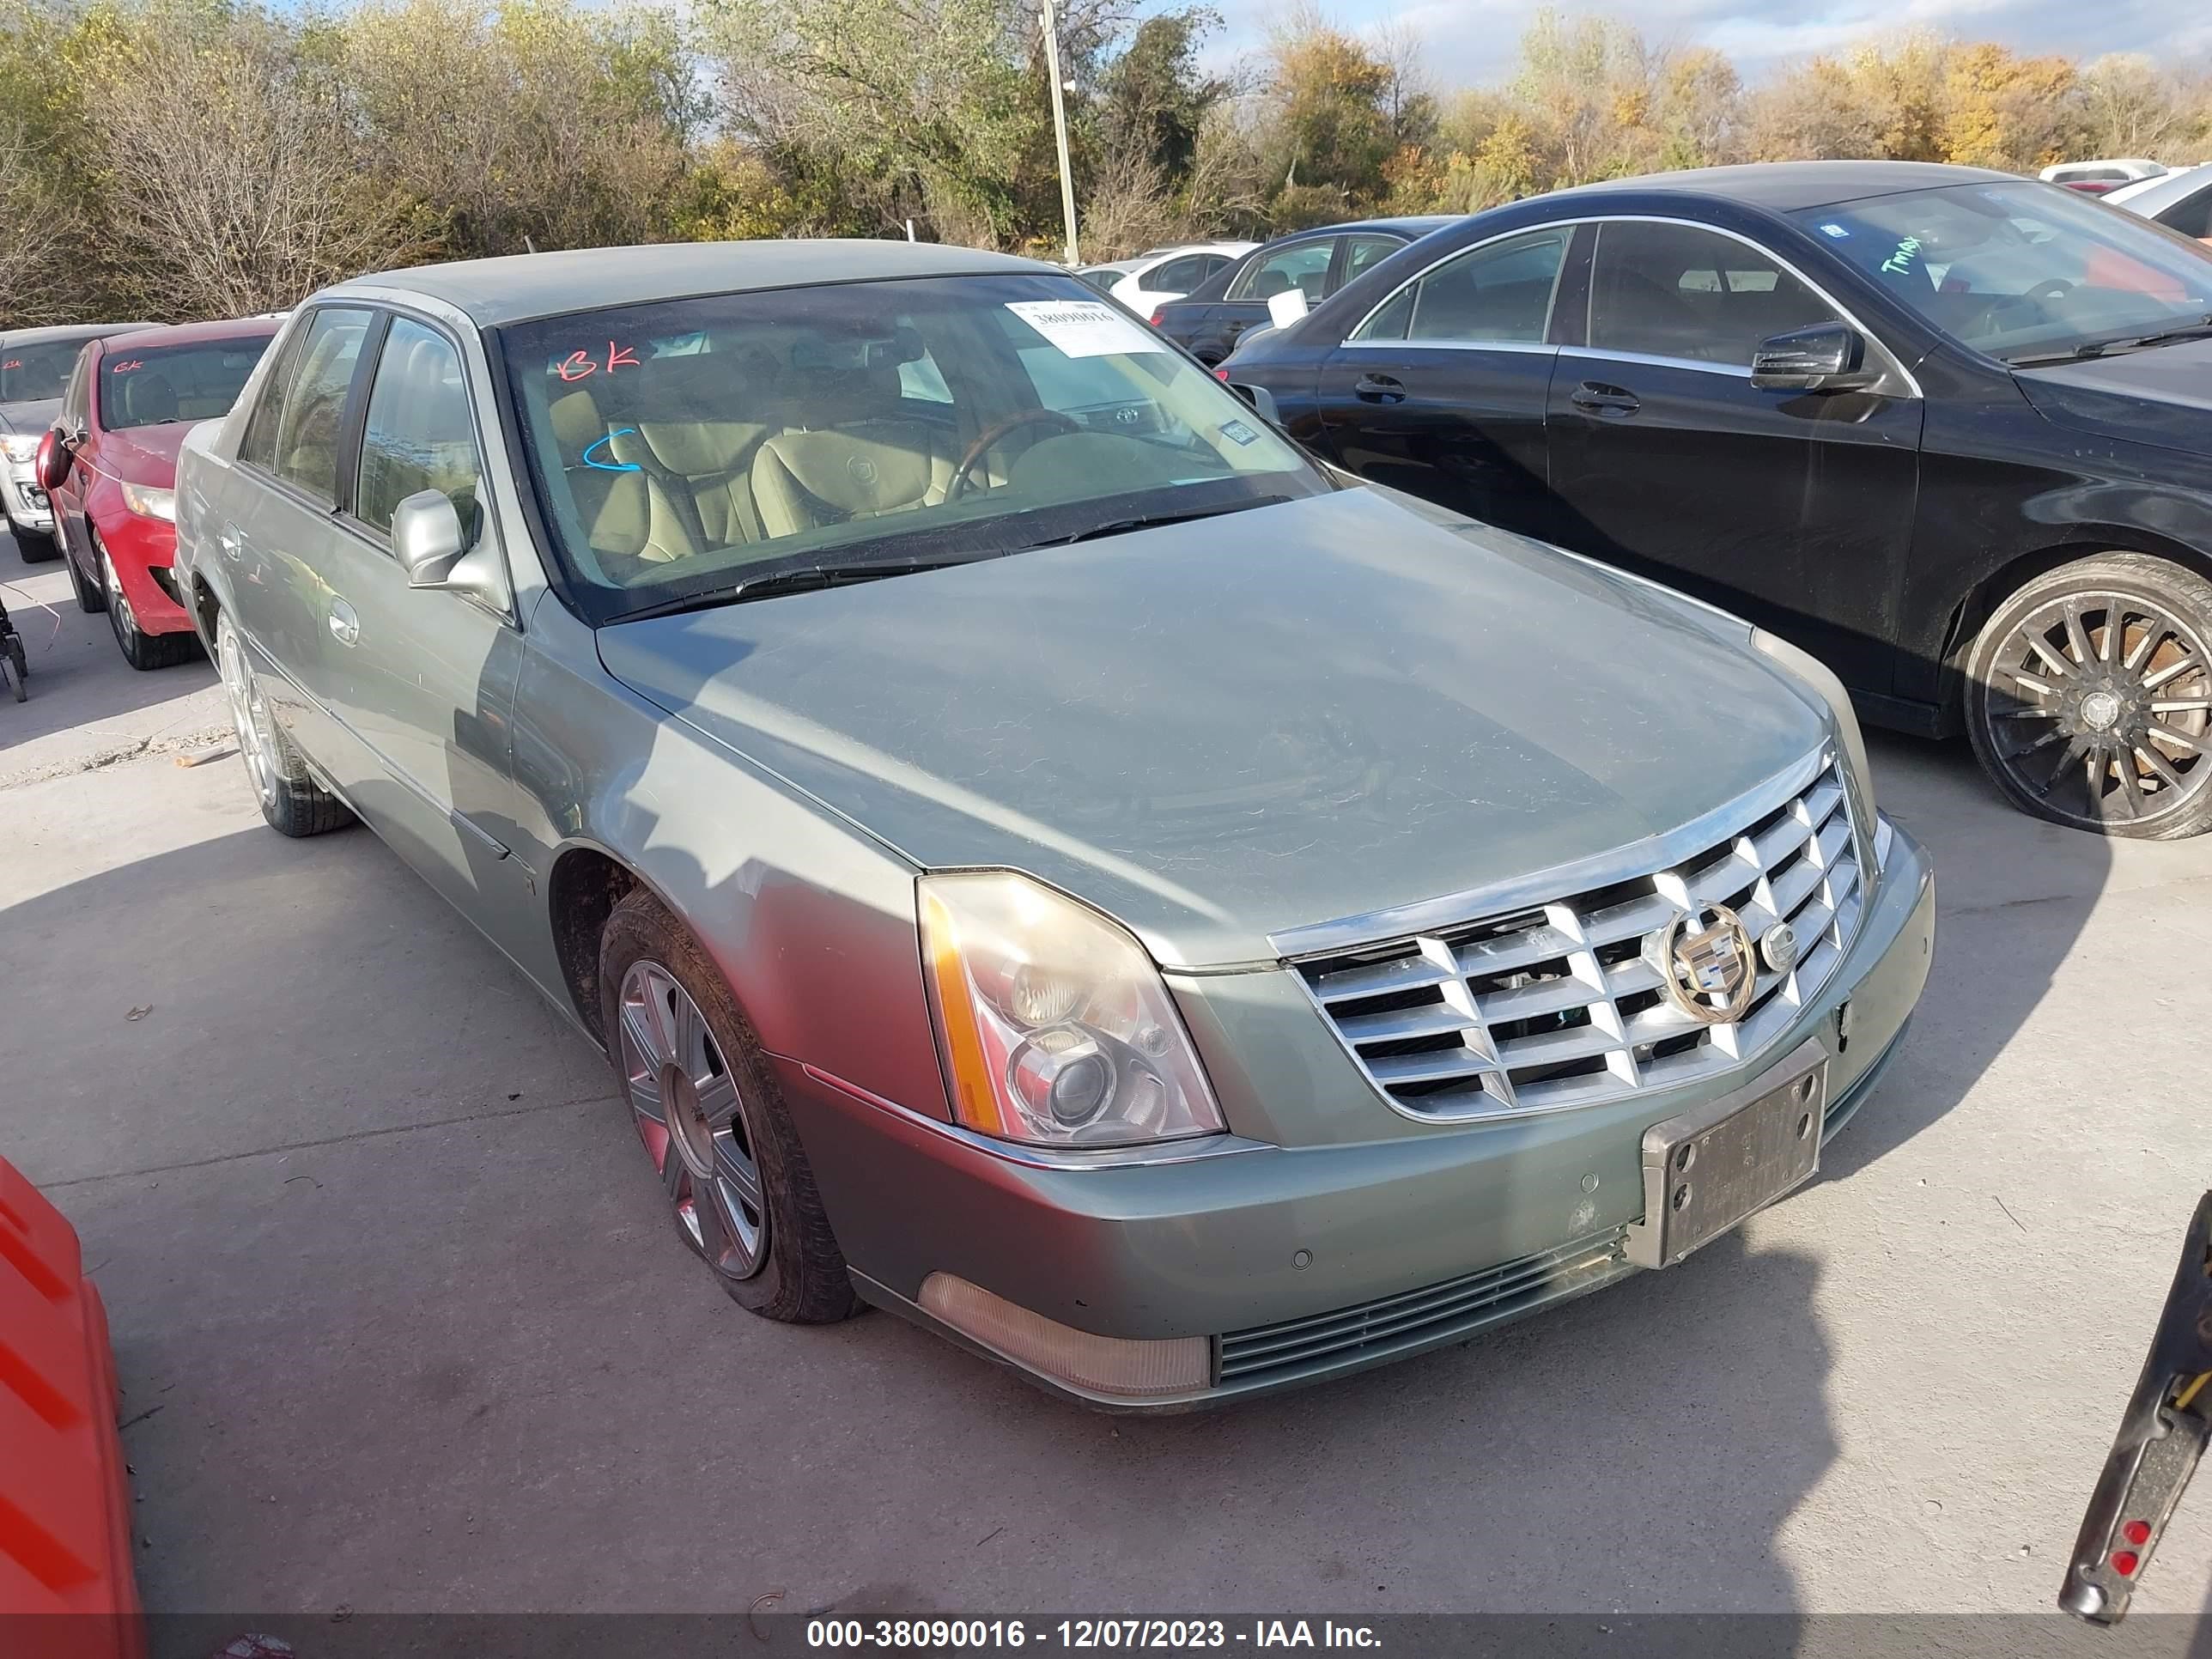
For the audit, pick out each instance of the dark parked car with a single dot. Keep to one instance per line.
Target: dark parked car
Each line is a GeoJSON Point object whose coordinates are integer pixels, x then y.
{"type": "Point", "coordinates": [1206, 321]}
{"type": "Point", "coordinates": [1948, 429]}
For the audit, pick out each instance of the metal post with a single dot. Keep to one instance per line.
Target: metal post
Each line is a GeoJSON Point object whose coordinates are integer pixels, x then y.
{"type": "Point", "coordinates": [1059, 127]}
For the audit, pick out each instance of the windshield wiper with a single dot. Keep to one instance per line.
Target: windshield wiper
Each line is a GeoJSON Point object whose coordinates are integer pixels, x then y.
{"type": "Point", "coordinates": [1153, 520]}
{"type": "Point", "coordinates": [775, 583]}
{"type": "Point", "coordinates": [2200, 330]}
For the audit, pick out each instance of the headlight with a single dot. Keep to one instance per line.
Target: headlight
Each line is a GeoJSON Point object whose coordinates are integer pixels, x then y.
{"type": "Point", "coordinates": [20, 447]}
{"type": "Point", "coordinates": [1818, 675]}
{"type": "Point", "coordinates": [150, 503]}
{"type": "Point", "coordinates": [1053, 1022]}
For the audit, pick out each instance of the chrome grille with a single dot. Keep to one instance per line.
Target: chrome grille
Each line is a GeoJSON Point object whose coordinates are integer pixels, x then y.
{"type": "Point", "coordinates": [1560, 1003]}
{"type": "Point", "coordinates": [1458, 1306]}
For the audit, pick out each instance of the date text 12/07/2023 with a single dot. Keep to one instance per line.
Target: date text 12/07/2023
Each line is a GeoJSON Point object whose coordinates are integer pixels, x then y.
{"type": "Point", "coordinates": [1077, 1634]}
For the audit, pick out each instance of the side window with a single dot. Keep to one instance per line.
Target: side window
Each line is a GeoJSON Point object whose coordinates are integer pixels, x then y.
{"type": "Point", "coordinates": [1209, 266]}
{"type": "Point", "coordinates": [2192, 217]}
{"type": "Point", "coordinates": [1362, 252]}
{"type": "Point", "coordinates": [308, 428]}
{"type": "Point", "coordinates": [75, 403]}
{"type": "Point", "coordinates": [419, 435]}
{"type": "Point", "coordinates": [1661, 290]}
{"type": "Point", "coordinates": [259, 442]}
{"type": "Point", "coordinates": [1304, 266]}
{"type": "Point", "coordinates": [1176, 276]}
{"type": "Point", "coordinates": [1499, 292]}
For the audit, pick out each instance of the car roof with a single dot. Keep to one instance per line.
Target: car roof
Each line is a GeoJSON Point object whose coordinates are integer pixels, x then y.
{"type": "Point", "coordinates": [1788, 187]}
{"type": "Point", "coordinates": [234, 328]}
{"type": "Point", "coordinates": [64, 332]}
{"type": "Point", "coordinates": [522, 286]}
{"type": "Point", "coordinates": [2148, 195]}
{"type": "Point", "coordinates": [1415, 225]}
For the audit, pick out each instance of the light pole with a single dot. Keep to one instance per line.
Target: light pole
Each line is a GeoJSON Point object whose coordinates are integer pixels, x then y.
{"type": "Point", "coordinates": [1059, 126]}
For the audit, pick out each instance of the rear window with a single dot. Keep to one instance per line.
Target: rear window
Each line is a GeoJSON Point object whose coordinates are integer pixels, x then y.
{"type": "Point", "coordinates": [196, 382]}
{"type": "Point", "coordinates": [34, 371]}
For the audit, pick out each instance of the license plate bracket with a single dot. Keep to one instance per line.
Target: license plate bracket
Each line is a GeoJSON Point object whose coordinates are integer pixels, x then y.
{"type": "Point", "coordinates": [1706, 1170]}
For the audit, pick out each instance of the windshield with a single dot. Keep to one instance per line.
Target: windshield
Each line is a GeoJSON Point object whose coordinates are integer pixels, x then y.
{"type": "Point", "coordinates": [682, 448]}
{"type": "Point", "coordinates": [196, 382]}
{"type": "Point", "coordinates": [37, 370]}
{"type": "Point", "coordinates": [2020, 270]}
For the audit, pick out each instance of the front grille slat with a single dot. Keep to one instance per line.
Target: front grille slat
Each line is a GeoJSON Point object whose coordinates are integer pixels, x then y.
{"type": "Point", "coordinates": [1464, 1303]}
{"type": "Point", "coordinates": [1569, 997]}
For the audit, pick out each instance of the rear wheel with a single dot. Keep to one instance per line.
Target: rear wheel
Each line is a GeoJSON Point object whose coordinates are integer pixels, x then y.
{"type": "Point", "coordinates": [706, 1105]}
{"type": "Point", "coordinates": [2090, 698]}
{"type": "Point", "coordinates": [292, 801]}
{"type": "Point", "coordinates": [140, 649]}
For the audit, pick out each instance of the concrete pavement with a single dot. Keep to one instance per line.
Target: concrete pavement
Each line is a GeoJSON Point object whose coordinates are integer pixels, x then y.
{"type": "Point", "coordinates": [404, 1325]}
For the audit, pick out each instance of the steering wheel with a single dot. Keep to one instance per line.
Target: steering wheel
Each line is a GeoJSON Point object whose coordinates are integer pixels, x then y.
{"type": "Point", "coordinates": [2051, 287]}
{"type": "Point", "coordinates": [964, 474]}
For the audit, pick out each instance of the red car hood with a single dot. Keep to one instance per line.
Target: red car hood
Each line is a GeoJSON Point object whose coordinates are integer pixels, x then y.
{"type": "Point", "coordinates": [145, 454]}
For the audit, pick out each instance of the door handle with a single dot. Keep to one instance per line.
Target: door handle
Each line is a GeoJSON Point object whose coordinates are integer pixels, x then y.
{"type": "Point", "coordinates": [1379, 389]}
{"type": "Point", "coordinates": [1594, 399]}
{"type": "Point", "coordinates": [345, 626]}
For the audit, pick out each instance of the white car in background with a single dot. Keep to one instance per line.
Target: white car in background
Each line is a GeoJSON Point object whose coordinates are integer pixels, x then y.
{"type": "Point", "coordinates": [2098, 178]}
{"type": "Point", "coordinates": [2180, 200]}
{"type": "Point", "coordinates": [1169, 273]}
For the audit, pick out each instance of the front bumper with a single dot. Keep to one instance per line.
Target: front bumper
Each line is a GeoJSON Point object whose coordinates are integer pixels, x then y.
{"type": "Point", "coordinates": [26, 505]}
{"type": "Point", "coordinates": [1302, 1263]}
{"type": "Point", "coordinates": [142, 550]}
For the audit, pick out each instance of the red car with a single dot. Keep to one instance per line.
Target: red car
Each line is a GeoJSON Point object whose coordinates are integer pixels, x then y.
{"type": "Point", "coordinates": [112, 462]}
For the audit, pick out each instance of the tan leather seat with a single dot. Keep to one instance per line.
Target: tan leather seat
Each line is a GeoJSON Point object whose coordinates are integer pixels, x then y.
{"type": "Point", "coordinates": [855, 457]}
{"type": "Point", "coordinates": [627, 515]}
{"type": "Point", "coordinates": [717, 410]}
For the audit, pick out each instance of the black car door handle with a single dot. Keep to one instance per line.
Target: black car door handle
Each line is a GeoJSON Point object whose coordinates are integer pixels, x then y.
{"type": "Point", "coordinates": [1379, 389]}
{"type": "Point", "coordinates": [1594, 399]}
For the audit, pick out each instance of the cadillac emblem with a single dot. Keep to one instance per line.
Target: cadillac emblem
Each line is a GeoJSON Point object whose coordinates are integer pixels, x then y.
{"type": "Point", "coordinates": [1705, 963]}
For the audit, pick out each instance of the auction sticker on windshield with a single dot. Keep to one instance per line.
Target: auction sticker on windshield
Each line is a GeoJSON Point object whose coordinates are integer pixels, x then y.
{"type": "Point", "coordinates": [1085, 328]}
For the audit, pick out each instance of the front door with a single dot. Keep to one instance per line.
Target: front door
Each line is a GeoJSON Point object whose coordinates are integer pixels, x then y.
{"type": "Point", "coordinates": [1792, 508]}
{"type": "Point", "coordinates": [1441, 392]}
{"type": "Point", "coordinates": [423, 680]}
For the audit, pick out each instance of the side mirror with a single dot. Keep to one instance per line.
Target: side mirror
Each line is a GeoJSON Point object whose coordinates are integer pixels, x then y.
{"type": "Point", "coordinates": [52, 463]}
{"type": "Point", "coordinates": [427, 538]}
{"type": "Point", "coordinates": [1286, 308]}
{"type": "Point", "coordinates": [1262, 399]}
{"type": "Point", "coordinates": [1826, 357]}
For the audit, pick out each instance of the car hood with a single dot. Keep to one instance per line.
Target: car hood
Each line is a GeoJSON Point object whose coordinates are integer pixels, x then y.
{"type": "Point", "coordinates": [1222, 730]}
{"type": "Point", "coordinates": [2160, 396]}
{"type": "Point", "coordinates": [145, 454]}
{"type": "Point", "coordinates": [33, 416]}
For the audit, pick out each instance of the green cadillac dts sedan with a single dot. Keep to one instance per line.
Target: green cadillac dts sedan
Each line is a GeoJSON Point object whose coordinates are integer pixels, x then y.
{"type": "Point", "coordinates": [1039, 852]}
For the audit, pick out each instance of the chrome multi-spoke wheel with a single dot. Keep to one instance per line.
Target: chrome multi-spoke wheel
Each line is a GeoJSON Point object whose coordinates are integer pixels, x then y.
{"type": "Point", "coordinates": [691, 1115]}
{"type": "Point", "coordinates": [249, 711]}
{"type": "Point", "coordinates": [2090, 697]}
{"type": "Point", "coordinates": [119, 603]}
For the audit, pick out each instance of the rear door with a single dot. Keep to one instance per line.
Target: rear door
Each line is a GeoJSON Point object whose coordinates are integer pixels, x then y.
{"type": "Point", "coordinates": [1795, 509]}
{"type": "Point", "coordinates": [422, 679]}
{"type": "Point", "coordinates": [1441, 390]}
{"type": "Point", "coordinates": [272, 521]}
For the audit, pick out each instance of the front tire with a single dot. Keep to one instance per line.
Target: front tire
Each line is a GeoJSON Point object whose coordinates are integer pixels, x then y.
{"type": "Point", "coordinates": [2090, 698]}
{"type": "Point", "coordinates": [712, 1121]}
{"type": "Point", "coordinates": [90, 598]}
{"type": "Point", "coordinates": [142, 651]}
{"type": "Point", "coordinates": [292, 801]}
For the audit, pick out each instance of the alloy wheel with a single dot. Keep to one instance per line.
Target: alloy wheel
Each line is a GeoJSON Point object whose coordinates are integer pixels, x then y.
{"type": "Point", "coordinates": [249, 713]}
{"type": "Point", "coordinates": [691, 1115]}
{"type": "Point", "coordinates": [2099, 708]}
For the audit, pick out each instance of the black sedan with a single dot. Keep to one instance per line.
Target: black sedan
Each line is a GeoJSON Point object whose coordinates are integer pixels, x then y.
{"type": "Point", "coordinates": [1206, 321]}
{"type": "Point", "coordinates": [1949, 429]}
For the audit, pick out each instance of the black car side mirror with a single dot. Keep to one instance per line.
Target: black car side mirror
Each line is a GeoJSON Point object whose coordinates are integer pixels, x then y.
{"type": "Point", "coordinates": [1826, 357]}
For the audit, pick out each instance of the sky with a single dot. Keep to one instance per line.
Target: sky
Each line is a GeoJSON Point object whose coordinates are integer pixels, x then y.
{"type": "Point", "coordinates": [1474, 41]}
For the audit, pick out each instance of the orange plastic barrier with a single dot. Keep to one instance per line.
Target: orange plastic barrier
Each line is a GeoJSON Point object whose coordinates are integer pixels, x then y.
{"type": "Point", "coordinates": [64, 1497]}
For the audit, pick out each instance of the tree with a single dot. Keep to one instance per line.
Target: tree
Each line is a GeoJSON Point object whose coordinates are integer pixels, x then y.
{"type": "Point", "coordinates": [1153, 97]}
